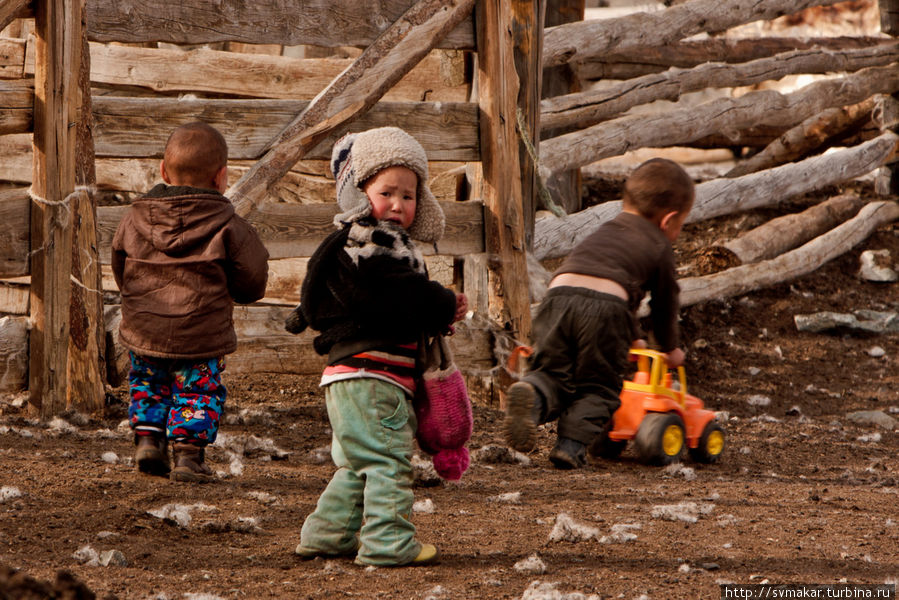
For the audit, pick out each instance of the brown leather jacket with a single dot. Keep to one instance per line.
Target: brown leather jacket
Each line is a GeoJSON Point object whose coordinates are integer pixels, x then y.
{"type": "Point", "coordinates": [181, 259]}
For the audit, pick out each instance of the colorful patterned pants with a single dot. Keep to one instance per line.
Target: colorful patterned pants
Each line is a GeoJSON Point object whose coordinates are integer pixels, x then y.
{"type": "Point", "coordinates": [181, 399]}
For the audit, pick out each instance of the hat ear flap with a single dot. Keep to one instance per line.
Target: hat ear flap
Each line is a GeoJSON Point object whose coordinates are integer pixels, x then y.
{"type": "Point", "coordinates": [429, 222]}
{"type": "Point", "coordinates": [352, 201]}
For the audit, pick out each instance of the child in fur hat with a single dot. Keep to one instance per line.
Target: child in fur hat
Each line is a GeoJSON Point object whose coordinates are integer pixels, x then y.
{"type": "Point", "coordinates": [368, 295]}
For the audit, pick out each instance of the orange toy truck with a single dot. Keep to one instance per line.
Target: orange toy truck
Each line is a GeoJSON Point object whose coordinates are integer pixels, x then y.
{"type": "Point", "coordinates": [661, 417]}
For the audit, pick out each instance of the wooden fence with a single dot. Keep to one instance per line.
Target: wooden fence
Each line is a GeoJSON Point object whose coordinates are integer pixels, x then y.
{"type": "Point", "coordinates": [88, 99]}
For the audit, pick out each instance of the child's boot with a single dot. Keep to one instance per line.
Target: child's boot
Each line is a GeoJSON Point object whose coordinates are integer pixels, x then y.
{"type": "Point", "coordinates": [428, 555]}
{"type": "Point", "coordinates": [520, 425]}
{"type": "Point", "coordinates": [190, 463]}
{"type": "Point", "coordinates": [568, 454]}
{"type": "Point", "coordinates": [152, 455]}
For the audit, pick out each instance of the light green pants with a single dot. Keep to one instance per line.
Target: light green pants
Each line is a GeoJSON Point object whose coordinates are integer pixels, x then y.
{"type": "Point", "coordinates": [373, 427]}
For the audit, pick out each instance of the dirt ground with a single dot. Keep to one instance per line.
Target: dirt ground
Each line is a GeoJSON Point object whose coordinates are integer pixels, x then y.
{"type": "Point", "coordinates": [802, 494]}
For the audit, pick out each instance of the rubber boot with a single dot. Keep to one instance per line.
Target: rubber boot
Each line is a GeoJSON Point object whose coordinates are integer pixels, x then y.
{"type": "Point", "coordinates": [190, 465]}
{"type": "Point", "coordinates": [152, 455]}
{"type": "Point", "coordinates": [568, 454]}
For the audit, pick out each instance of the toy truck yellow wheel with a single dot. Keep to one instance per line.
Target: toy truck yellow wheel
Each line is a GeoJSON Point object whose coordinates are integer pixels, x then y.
{"type": "Point", "coordinates": [711, 444]}
{"type": "Point", "coordinates": [660, 440]}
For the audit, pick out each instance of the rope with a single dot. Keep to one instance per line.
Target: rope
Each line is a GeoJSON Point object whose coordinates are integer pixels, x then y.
{"type": "Point", "coordinates": [542, 190]}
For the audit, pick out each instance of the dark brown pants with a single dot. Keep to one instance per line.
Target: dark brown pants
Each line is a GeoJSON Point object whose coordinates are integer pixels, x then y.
{"type": "Point", "coordinates": [581, 343]}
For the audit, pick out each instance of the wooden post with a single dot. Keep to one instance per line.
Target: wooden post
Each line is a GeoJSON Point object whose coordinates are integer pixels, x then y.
{"type": "Point", "coordinates": [887, 178]}
{"type": "Point", "coordinates": [527, 35]}
{"type": "Point", "coordinates": [498, 89]}
{"type": "Point", "coordinates": [87, 332]}
{"type": "Point", "coordinates": [565, 188]}
{"type": "Point", "coordinates": [56, 102]}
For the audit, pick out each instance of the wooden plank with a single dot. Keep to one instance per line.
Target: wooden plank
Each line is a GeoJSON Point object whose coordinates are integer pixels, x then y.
{"type": "Point", "coordinates": [501, 191]}
{"type": "Point", "coordinates": [16, 106]}
{"type": "Point", "coordinates": [15, 214]}
{"type": "Point", "coordinates": [285, 22]}
{"type": "Point", "coordinates": [12, 58]}
{"type": "Point", "coordinates": [588, 108]}
{"type": "Point", "coordinates": [400, 47]}
{"type": "Point", "coordinates": [680, 126]}
{"type": "Point", "coordinates": [14, 9]}
{"type": "Point", "coordinates": [252, 75]}
{"type": "Point", "coordinates": [294, 230]}
{"type": "Point", "coordinates": [556, 237]}
{"type": "Point", "coordinates": [139, 127]}
{"type": "Point", "coordinates": [13, 354]}
{"type": "Point", "coordinates": [641, 61]}
{"type": "Point", "coordinates": [57, 102]}
{"type": "Point", "coordinates": [577, 42]}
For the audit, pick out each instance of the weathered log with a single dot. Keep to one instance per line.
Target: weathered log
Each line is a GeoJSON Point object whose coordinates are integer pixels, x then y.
{"type": "Point", "coordinates": [793, 264]}
{"type": "Point", "coordinates": [14, 9]}
{"type": "Point", "coordinates": [14, 297]}
{"type": "Point", "coordinates": [683, 125]}
{"type": "Point", "coordinates": [285, 22]}
{"type": "Point", "coordinates": [685, 55]}
{"type": "Point", "coordinates": [13, 354]}
{"type": "Point", "coordinates": [577, 42]}
{"type": "Point", "coordinates": [139, 127]}
{"type": "Point", "coordinates": [789, 231]}
{"type": "Point", "coordinates": [295, 230]}
{"type": "Point", "coordinates": [590, 107]}
{"type": "Point", "coordinates": [555, 237]}
{"type": "Point", "coordinates": [806, 138]}
{"type": "Point", "coordinates": [889, 16]}
{"type": "Point", "coordinates": [393, 54]}
{"type": "Point", "coordinates": [252, 75]}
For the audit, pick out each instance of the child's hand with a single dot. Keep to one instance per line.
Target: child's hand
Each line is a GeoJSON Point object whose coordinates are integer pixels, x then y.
{"type": "Point", "coordinates": [675, 358]}
{"type": "Point", "coordinates": [461, 307]}
{"type": "Point", "coordinates": [641, 343]}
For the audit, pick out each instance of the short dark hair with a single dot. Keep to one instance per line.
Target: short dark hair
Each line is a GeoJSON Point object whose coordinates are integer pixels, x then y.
{"type": "Point", "coordinates": [659, 186]}
{"type": "Point", "coordinates": [194, 154]}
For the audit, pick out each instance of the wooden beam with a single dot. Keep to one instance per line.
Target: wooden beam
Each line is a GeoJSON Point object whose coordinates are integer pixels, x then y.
{"type": "Point", "coordinates": [87, 334]}
{"type": "Point", "coordinates": [560, 81]}
{"type": "Point", "coordinates": [577, 42]}
{"type": "Point", "coordinates": [57, 102]}
{"type": "Point", "coordinates": [139, 127]}
{"type": "Point", "coordinates": [504, 222]}
{"type": "Point", "coordinates": [793, 264]}
{"type": "Point", "coordinates": [393, 54]}
{"type": "Point", "coordinates": [16, 106]}
{"type": "Point", "coordinates": [685, 55]}
{"type": "Point", "coordinates": [15, 214]}
{"type": "Point", "coordinates": [588, 108]}
{"type": "Point", "coordinates": [285, 22]}
{"type": "Point", "coordinates": [295, 230]}
{"type": "Point", "coordinates": [680, 126]}
{"type": "Point", "coordinates": [14, 9]}
{"type": "Point", "coordinates": [252, 75]}
{"type": "Point", "coordinates": [555, 237]}
{"type": "Point", "coordinates": [527, 38]}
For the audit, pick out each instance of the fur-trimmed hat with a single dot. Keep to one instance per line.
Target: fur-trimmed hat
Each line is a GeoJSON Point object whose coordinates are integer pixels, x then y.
{"type": "Point", "coordinates": [358, 156]}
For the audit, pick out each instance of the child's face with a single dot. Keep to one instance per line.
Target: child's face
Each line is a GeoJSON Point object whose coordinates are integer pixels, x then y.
{"type": "Point", "coordinates": [393, 195]}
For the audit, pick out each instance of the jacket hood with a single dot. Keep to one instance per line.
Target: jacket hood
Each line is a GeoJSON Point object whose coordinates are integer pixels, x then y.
{"type": "Point", "coordinates": [177, 218]}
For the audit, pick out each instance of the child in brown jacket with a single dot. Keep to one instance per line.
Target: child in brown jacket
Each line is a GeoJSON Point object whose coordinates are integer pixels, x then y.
{"type": "Point", "coordinates": [586, 324]}
{"type": "Point", "coordinates": [181, 258]}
